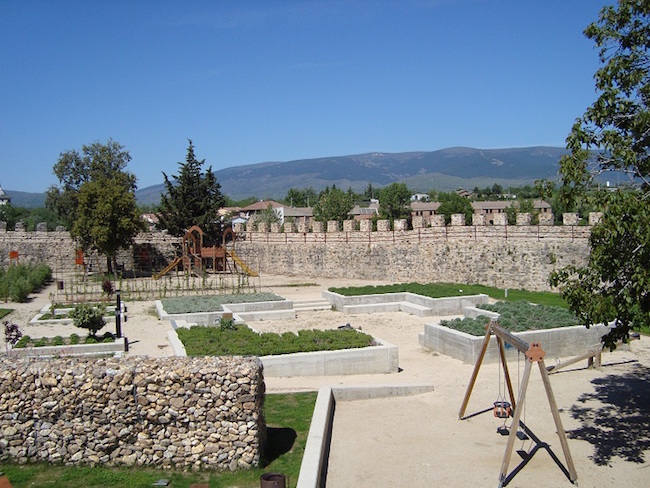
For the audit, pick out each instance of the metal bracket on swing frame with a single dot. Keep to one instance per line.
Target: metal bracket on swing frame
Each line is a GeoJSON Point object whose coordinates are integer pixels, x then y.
{"type": "Point", "coordinates": [534, 354]}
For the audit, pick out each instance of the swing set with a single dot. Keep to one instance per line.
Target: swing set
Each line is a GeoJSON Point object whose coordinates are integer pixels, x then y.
{"type": "Point", "coordinates": [506, 407]}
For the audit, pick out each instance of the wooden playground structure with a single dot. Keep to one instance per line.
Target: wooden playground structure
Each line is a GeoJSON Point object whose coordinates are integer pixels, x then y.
{"type": "Point", "coordinates": [197, 258]}
{"type": "Point", "coordinates": [509, 407]}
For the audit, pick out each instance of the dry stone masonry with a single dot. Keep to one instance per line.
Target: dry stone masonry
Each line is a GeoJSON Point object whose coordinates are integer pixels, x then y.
{"type": "Point", "coordinates": [181, 412]}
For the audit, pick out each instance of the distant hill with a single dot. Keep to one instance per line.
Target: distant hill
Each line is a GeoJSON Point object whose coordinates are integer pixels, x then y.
{"type": "Point", "coordinates": [26, 199]}
{"type": "Point", "coordinates": [444, 170]}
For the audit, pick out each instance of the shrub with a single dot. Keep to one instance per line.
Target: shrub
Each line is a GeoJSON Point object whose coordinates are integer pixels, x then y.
{"type": "Point", "coordinates": [108, 288]}
{"type": "Point", "coordinates": [90, 318]}
{"type": "Point", "coordinates": [516, 317]}
{"type": "Point", "coordinates": [12, 334]}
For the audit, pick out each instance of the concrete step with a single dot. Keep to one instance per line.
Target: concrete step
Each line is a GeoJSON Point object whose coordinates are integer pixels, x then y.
{"type": "Point", "coordinates": [310, 305]}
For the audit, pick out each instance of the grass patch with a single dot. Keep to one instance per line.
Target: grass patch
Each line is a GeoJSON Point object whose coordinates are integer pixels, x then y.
{"type": "Point", "coordinates": [441, 290]}
{"type": "Point", "coordinates": [73, 339]}
{"type": "Point", "coordinates": [5, 311]}
{"type": "Point", "coordinates": [241, 341]}
{"type": "Point", "coordinates": [516, 317]}
{"type": "Point", "coordinates": [288, 417]}
{"type": "Point", "coordinates": [193, 304]}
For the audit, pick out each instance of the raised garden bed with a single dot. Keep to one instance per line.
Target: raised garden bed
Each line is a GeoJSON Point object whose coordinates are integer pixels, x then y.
{"type": "Point", "coordinates": [49, 315]}
{"type": "Point", "coordinates": [381, 358]}
{"type": "Point", "coordinates": [115, 346]}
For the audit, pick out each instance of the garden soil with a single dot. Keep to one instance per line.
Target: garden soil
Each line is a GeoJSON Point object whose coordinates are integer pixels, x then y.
{"type": "Point", "coordinates": [418, 441]}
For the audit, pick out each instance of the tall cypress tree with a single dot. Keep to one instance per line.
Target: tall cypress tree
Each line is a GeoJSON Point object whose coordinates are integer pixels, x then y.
{"type": "Point", "coordinates": [192, 198]}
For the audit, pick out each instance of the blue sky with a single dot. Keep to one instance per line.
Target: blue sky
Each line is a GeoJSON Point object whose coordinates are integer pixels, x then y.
{"type": "Point", "coordinates": [255, 81]}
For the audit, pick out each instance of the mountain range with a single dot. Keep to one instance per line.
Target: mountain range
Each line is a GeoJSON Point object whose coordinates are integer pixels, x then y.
{"type": "Point", "coordinates": [443, 170]}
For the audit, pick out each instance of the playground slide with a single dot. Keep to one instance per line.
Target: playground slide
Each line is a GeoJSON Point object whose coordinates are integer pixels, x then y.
{"type": "Point", "coordinates": [169, 267]}
{"type": "Point", "coordinates": [240, 263]}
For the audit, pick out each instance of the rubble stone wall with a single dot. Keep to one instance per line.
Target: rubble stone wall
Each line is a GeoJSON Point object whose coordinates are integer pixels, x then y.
{"type": "Point", "coordinates": [183, 412]}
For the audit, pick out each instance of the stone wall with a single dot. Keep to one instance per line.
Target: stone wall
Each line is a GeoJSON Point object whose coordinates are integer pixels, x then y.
{"type": "Point", "coordinates": [520, 256]}
{"type": "Point", "coordinates": [506, 259]}
{"type": "Point", "coordinates": [183, 412]}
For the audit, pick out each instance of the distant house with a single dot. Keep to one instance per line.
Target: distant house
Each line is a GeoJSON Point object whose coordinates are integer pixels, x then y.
{"type": "Point", "coordinates": [420, 197]}
{"type": "Point", "coordinates": [297, 214]}
{"type": "Point", "coordinates": [364, 213]}
{"type": "Point", "coordinates": [491, 208]}
{"type": "Point", "coordinates": [464, 193]}
{"type": "Point", "coordinates": [150, 219]}
{"type": "Point", "coordinates": [4, 198]}
{"type": "Point", "coordinates": [424, 209]}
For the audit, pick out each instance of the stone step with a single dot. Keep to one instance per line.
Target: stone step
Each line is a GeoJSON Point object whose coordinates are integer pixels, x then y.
{"type": "Point", "coordinates": [309, 305]}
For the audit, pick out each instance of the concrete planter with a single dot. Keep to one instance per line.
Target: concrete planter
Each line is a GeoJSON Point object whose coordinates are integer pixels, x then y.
{"type": "Point", "coordinates": [100, 349]}
{"type": "Point", "coordinates": [240, 312]}
{"type": "Point", "coordinates": [559, 342]}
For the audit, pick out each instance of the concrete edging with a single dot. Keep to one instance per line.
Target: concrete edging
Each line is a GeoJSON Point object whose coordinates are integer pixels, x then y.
{"type": "Point", "coordinates": [312, 469]}
{"type": "Point", "coordinates": [101, 348]}
{"type": "Point", "coordinates": [380, 359]}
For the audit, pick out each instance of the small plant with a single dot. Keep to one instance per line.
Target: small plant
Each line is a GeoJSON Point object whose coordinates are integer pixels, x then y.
{"type": "Point", "coordinates": [108, 288]}
{"type": "Point", "coordinates": [12, 334]}
{"type": "Point", "coordinates": [90, 318]}
{"type": "Point", "coordinates": [74, 339]}
{"type": "Point", "coordinates": [227, 324]}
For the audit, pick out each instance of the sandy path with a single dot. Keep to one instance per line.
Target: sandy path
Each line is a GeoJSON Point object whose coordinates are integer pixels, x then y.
{"type": "Point", "coordinates": [419, 441]}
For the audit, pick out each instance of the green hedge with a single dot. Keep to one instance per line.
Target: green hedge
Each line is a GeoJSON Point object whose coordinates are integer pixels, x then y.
{"type": "Point", "coordinates": [213, 303]}
{"type": "Point", "coordinates": [441, 290]}
{"type": "Point", "coordinates": [241, 341]}
{"type": "Point", "coordinates": [516, 317]}
{"type": "Point", "coordinates": [17, 282]}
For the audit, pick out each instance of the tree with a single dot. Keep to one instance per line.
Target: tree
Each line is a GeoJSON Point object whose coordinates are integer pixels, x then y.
{"type": "Point", "coordinates": [107, 217]}
{"type": "Point", "coordinates": [301, 198]}
{"type": "Point", "coordinates": [333, 204]}
{"type": "Point", "coordinates": [395, 201]}
{"type": "Point", "coordinates": [73, 169]}
{"type": "Point", "coordinates": [453, 203]}
{"type": "Point", "coordinates": [268, 216]}
{"type": "Point", "coordinates": [97, 198]}
{"type": "Point", "coordinates": [194, 199]}
{"type": "Point", "coordinates": [614, 135]}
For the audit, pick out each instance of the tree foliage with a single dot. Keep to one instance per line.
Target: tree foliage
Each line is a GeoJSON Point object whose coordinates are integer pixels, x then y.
{"type": "Point", "coordinates": [453, 203]}
{"type": "Point", "coordinates": [192, 198]}
{"type": "Point", "coordinates": [107, 216]}
{"type": "Point", "coordinates": [73, 169]}
{"type": "Point", "coordinates": [333, 204]}
{"type": "Point", "coordinates": [616, 128]}
{"type": "Point", "coordinates": [305, 197]}
{"type": "Point", "coordinates": [96, 197]}
{"type": "Point", "coordinates": [395, 201]}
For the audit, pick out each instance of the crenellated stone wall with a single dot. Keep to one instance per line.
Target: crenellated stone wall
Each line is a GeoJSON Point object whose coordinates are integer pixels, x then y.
{"type": "Point", "coordinates": [500, 255]}
{"type": "Point", "coordinates": [183, 412]}
{"type": "Point", "coordinates": [506, 260]}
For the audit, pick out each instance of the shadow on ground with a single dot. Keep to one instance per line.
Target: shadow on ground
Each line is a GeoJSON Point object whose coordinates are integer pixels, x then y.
{"type": "Point", "coordinates": [279, 441]}
{"type": "Point", "coordinates": [616, 416]}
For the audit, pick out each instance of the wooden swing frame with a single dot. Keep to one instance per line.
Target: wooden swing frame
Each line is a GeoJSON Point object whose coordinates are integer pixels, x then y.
{"type": "Point", "coordinates": [534, 354]}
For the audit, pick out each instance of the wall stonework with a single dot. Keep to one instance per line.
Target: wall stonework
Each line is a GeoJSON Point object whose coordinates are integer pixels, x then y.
{"type": "Point", "coordinates": [520, 262]}
{"type": "Point", "coordinates": [182, 412]}
{"type": "Point", "coordinates": [506, 256]}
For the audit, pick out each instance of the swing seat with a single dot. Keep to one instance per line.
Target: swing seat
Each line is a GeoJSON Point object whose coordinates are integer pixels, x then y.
{"type": "Point", "coordinates": [502, 409]}
{"type": "Point", "coordinates": [503, 430]}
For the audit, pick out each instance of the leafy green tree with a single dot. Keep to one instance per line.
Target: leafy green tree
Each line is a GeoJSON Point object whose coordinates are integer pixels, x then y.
{"type": "Point", "coordinates": [193, 199]}
{"type": "Point", "coordinates": [268, 216]}
{"type": "Point", "coordinates": [97, 198]}
{"type": "Point", "coordinates": [301, 198]}
{"type": "Point", "coordinates": [370, 192]}
{"type": "Point", "coordinates": [615, 284]}
{"type": "Point", "coordinates": [453, 203]}
{"type": "Point", "coordinates": [73, 169]}
{"type": "Point", "coordinates": [395, 201]}
{"type": "Point", "coordinates": [107, 217]}
{"type": "Point", "coordinates": [333, 204]}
